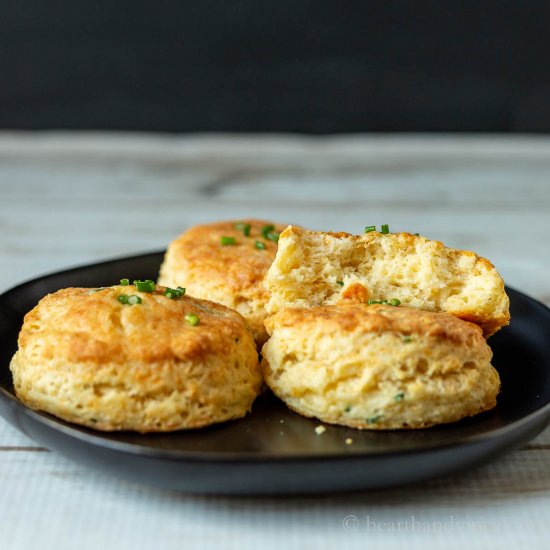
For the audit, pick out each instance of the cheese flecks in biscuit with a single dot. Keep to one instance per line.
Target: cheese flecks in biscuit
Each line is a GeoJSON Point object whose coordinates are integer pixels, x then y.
{"type": "Point", "coordinates": [378, 367]}
{"type": "Point", "coordinates": [226, 262]}
{"type": "Point", "coordinates": [315, 268]}
{"type": "Point", "coordinates": [106, 360]}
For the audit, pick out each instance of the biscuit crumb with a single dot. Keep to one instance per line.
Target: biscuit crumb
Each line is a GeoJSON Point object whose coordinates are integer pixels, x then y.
{"type": "Point", "coordinates": [320, 430]}
{"type": "Point", "coordinates": [349, 441]}
{"type": "Point", "coordinates": [324, 258]}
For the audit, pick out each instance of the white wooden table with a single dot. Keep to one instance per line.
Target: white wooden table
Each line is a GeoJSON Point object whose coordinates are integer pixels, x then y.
{"type": "Point", "coordinates": [68, 199]}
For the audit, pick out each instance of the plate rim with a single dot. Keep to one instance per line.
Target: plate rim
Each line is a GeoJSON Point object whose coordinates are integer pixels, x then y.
{"type": "Point", "coordinates": [99, 440]}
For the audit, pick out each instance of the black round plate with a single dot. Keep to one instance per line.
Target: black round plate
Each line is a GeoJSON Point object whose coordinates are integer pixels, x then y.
{"type": "Point", "coordinates": [274, 451]}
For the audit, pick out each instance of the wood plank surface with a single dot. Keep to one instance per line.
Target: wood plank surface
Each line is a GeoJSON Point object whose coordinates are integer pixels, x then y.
{"type": "Point", "coordinates": [69, 199]}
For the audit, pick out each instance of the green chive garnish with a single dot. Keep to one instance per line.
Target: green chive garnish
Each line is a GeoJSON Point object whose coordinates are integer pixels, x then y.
{"type": "Point", "coordinates": [269, 233]}
{"type": "Point", "coordinates": [124, 282]}
{"type": "Point", "coordinates": [384, 229]}
{"type": "Point", "coordinates": [228, 241]}
{"type": "Point", "coordinates": [145, 286]}
{"type": "Point", "coordinates": [374, 419]}
{"type": "Point", "coordinates": [416, 234]}
{"type": "Point", "coordinates": [347, 409]}
{"type": "Point", "coordinates": [370, 228]}
{"type": "Point", "coordinates": [341, 283]}
{"type": "Point", "coordinates": [266, 229]}
{"type": "Point", "coordinates": [192, 319]}
{"type": "Point", "coordinates": [399, 396]}
{"type": "Point", "coordinates": [392, 302]}
{"type": "Point", "coordinates": [244, 227]}
{"type": "Point", "coordinates": [131, 300]}
{"type": "Point", "coordinates": [259, 245]}
{"type": "Point", "coordinates": [174, 293]}
{"type": "Point", "coordinates": [407, 339]}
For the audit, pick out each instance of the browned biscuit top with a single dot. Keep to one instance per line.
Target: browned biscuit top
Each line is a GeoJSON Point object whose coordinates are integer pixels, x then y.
{"type": "Point", "coordinates": [241, 266]}
{"type": "Point", "coordinates": [83, 325]}
{"type": "Point", "coordinates": [378, 319]}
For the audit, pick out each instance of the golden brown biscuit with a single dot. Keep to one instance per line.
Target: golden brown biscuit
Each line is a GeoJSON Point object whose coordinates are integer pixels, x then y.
{"type": "Point", "coordinates": [315, 268]}
{"type": "Point", "coordinates": [232, 275]}
{"type": "Point", "coordinates": [88, 358]}
{"type": "Point", "coordinates": [378, 367]}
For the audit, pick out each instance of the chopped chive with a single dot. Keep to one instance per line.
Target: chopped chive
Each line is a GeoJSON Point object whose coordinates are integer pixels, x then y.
{"type": "Point", "coordinates": [228, 241]}
{"type": "Point", "coordinates": [416, 234]}
{"type": "Point", "coordinates": [131, 300]}
{"type": "Point", "coordinates": [407, 339]}
{"type": "Point", "coordinates": [145, 286]}
{"type": "Point", "coordinates": [259, 245]}
{"type": "Point", "coordinates": [341, 283]}
{"type": "Point", "coordinates": [347, 409]}
{"type": "Point", "coordinates": [174, 293]}
{"type": "Point", "coordinates": [124, 282]}
{"type": "Point", "coordinates": [192, 319]}
{"type": "Point", "coordinates": [399, 396]}
{"type": "Point", "coordinates": [370, 228]}
{"type": "Point", "coordinates": [374, 419]}
{"type": "Point", "coordinates": [244, 227]}
{"type": "Point", "coordinates": [273, 236]}
{"type": "Point", "coordinates": [384, 229]}
{"type": "Point", "coordinates": [267, 229]}
{"type": "Point", "coordinates": [392, 302]}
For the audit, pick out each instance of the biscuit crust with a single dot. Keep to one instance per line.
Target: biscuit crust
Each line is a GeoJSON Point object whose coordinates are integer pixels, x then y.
{"type": "Point", "coordinates": [231, 275]}
{"type": "Point", "coordinates": [315, 268]}
{"type": "Point", "coordinates": [88, 359]}
{"type": "Point", "coordinates": [379, 367]}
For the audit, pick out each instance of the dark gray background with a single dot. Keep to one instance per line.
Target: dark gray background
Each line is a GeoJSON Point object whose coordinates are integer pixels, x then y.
{"type": "Point", "coordinates": [299, 66]}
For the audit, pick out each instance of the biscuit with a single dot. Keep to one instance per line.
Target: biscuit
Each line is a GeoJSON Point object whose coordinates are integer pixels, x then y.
{"type": "Point", "coordinates": [232, 275]}
{"type": "Point", "coordinates": [87, 358]}
{"type": "Point", "coordinates": [378, 367]}
{"type": "Point", "coordinates": [314, 268]}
